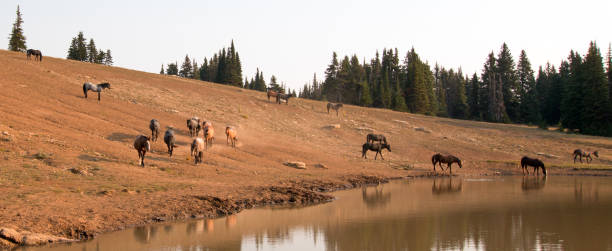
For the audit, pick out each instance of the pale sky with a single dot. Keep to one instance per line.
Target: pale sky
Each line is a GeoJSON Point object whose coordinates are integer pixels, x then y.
{"type": "Point", "coordinates": [294, 39]}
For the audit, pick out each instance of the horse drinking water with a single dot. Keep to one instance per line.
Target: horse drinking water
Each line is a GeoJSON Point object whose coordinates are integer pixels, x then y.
{"type": "Point", "coordinates": [87, 86]}
{"type": "Point", "coordinates": [535, 163]}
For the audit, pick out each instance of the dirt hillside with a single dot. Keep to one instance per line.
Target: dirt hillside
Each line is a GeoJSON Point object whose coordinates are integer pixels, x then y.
{"type": "Point", "coordinates": [68, 167]}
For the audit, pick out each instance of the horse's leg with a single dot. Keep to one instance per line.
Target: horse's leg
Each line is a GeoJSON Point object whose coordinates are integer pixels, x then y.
{"type": "Point", "coordinates": [376, 155]}
{"type": "Point", "coordinates": [143, 157]}
{"type": "Point", "coordinates": [575, 155]}
{"type": "Point", "coordinates": [450, 169]}
{"type": "Point", "coordinates": [381, 155]}
{"type": "Point", "coordinates": [98, 97]}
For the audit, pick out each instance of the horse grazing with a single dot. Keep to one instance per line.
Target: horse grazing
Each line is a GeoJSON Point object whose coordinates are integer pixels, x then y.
{"type": "Point", "coordinates": [586, 155]}
{"type": "Point", "coordinates": [87, 86]}
{"type": "Point", "coordinates": [447, 159]}
{"type": "Point", "coordinates": [334, 106]}
{"type": "Point", "coordinates": [193, 124]}
{"type": "Point", "coordinates": [209, 134]}
{"type": "Point", "coordinates": [535, 163]}
{"type": "Point", "coordinates": [197, 150]}
{"type": "Point", "coordinates": [170, 140]}
{"type": "Point", "coordinates": [271, 93]}
{"type": "Point", "coordinates": [231, 133]}
{"type": "Point", "coordinates": [376, 137]}
{"type": "Point", "coordinates": [281, 96]}
{"type": "Point", "coordinates": [142, 145]}
{"type": "Point", "coordinates": [37, 54]}
{"type": "Point", "coordinates": [377, 147]}
{"type": "Point", "coordinates": [154, 126]}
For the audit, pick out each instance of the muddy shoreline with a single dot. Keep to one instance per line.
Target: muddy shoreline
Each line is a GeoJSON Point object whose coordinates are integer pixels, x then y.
{"type": "Point", "coordinates": [297, 193]}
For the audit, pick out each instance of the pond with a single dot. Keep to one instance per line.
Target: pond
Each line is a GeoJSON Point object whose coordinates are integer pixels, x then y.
{"type": "Point", "coordinates": [504, 213]}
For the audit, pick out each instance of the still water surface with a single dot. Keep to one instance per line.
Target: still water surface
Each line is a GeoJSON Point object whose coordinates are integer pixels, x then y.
{"type": "Point", "coordinates": [509, 213]}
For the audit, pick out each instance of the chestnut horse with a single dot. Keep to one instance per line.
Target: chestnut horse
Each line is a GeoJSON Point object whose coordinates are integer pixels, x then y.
{"type": "Point", "coordinates": [447, 159]}
{"type": "Point", "coordinates": [535, 163]}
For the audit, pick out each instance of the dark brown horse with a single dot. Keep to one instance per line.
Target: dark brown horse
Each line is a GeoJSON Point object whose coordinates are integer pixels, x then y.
{"type": "Point", "coordinates": [142, 145]}
{"type": "Point", "coordinates": [377, 147]}
{"type": "Point", "coordinates": [271, 93]}
{"type": "Point", "coordinates": [535, 163]}
{"type": "Point", "coordinates": [586, 155]}
{"type": "Point", "coordinates": [376, 137]}
{"type": "Point", "coordinates": [37, 54]}
{"type": "Point", "coordinates": [447, 159]}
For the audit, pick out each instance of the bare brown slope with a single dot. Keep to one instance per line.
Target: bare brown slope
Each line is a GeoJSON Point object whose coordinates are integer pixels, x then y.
{"type": "Point", "coordinates": [51, 129]}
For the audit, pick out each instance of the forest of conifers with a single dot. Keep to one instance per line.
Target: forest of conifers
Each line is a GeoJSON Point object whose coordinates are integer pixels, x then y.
{"type": "Point", "coordinates": [575, 95]}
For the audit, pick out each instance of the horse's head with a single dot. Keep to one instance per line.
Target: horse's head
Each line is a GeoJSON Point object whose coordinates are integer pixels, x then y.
{"type": "Point", "coordinates": [387, 146]}
{"type": "Point", "coordinates": [596, 153]}
{"type": "Point", "coordinates": [459, 163]}
{"type": "Point", "coordinates": [105, 85]}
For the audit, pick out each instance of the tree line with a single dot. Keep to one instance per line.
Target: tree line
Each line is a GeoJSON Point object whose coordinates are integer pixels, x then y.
{"type": "Point", "coordinates": [87, 52]}
{"type": "Point", "coordinates": [223, 67]}
{"type": "Point", "coordinates": [576, 95]}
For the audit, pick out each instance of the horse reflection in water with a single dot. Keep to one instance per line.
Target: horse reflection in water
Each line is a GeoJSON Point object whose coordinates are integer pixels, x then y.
{"type": "Point", "coordinates": [586, 193]}
{"type": "Point", "coordinates": [144, 234]}
{"type": "Point", "coordinates": [376, 199]}
{"type": "Point", "coordinates": [446, 186]}
{"type": "Point", "coordinates": [533, 183]}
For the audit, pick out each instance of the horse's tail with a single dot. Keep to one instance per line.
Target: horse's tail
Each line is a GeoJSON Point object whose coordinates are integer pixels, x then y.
{"type": "Point", "coordinates": [41, 57]}
{"type": "Point", "coordinates": [85, 90]}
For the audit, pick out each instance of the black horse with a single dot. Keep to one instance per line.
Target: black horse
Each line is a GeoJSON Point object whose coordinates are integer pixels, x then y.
{"type": "Point", "coordinates": [37, 54]}
{"type": "Point", "coordinates": [87, 86]}
{"type": "Point", "coordinates": [377, 147]}
{"type": "Point", "coordinates": [535, 163]}
{"type": "Point", "coordinates": [376, 137]}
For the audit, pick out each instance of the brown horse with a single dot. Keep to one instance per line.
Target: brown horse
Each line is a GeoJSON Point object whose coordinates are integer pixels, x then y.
{"type": "Point", "coordinates": [535, 163]}
{"type": "Point", "coordinates": [586, 155]}
{"type": "Point", "coordinates": [334, 106]}
{"type": "Point", "coordinates": [271, 93]}
{"type": "Point", "coordinates": [142, 145]}
{"type": "Point", "coordinates": [281, 96]}
{"type": "Point", "coordinates": [447, 159]}
{"type": "Point", "coordinates": [231, 134]}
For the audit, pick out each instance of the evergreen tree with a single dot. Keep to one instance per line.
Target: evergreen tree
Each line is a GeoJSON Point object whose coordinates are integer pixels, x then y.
{"type": "Point", "coordinates": [100, 56]}
{"type": "Point", "coordinates": [528, 94]}
{"type": "Point", "coordinates": [81, 48]}
{"type": "Point", "coordinates": [196, 70]}
{"type": "Point", "coordinates": [595, 115]}
{"type": "Point", "coordinates": [474, 97]}
{"type": "Point", "coordinates": [186, 68]}
{"type": "Point", "coordinates": [274, 86]}
{"type": "Point", "coordinates": [72, 50]}
{"type": "Point", "coordinates": [552, 103]}
{"type": "Point", "coordinates": [17, 41]}
{"type": "Point", "coordinates": [172, 69]}
{"type": "Point", "coordinates": [162, 70]}
{"type": "Point", "coordinates": [418, 77]}
{"type": "Point", "coordinates": [92, 52]}
{"type": "Point", "coordinates": [492, 97]}
{"type": "Point", "coordinates": [330, 86]}
{"type": "Point", "coordinates": [108, 59]}
{"type": "Point", "coordinates": [505, 68]}
{"type": "Point", "coordinates": [572, 104]}
{"type": "Point", "coordinates": [205, 74]}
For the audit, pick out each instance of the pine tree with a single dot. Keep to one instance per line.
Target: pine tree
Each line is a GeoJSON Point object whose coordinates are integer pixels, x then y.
{"type": "Point", "coordinates": [172, 69]}
{"type": "Point", "coordinates": [330, 85]}
{"type": "Point", "coordinates": [507, 73]}
{"type": "Point", "coordinates": [572, 104]}
{"type": "Point", "coordinates": [72, 50]}
{"type": "Point", "coordinates": [186, 68]}
{"type": "Point", "coordinates": [81, 47]}
{"type": "Point", "coordinates": [100, 56]}
{"type": "Point", "coordinates": [274, 86]}
{"type": "Point", "coordinates": [108, 59]}
{"type": "Point", "coordinates": [596, 95]}
{"type": "Point", "coordinates": [162, 72]}
{"type": "Point", "coordinates": [528, 94]}
{"type": "Point", "coordinates": [474, 97]}
{"type": "Point", "coordinates": [196, 70]}
{"type": "Point", "coordinates": [419, 84]}
{"type": "Point", "coordinates": [17, 41]}
{"type": "Point", "coordinates": [92, 52]}
{"type": "Point", "coordinates": [204, 71]}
